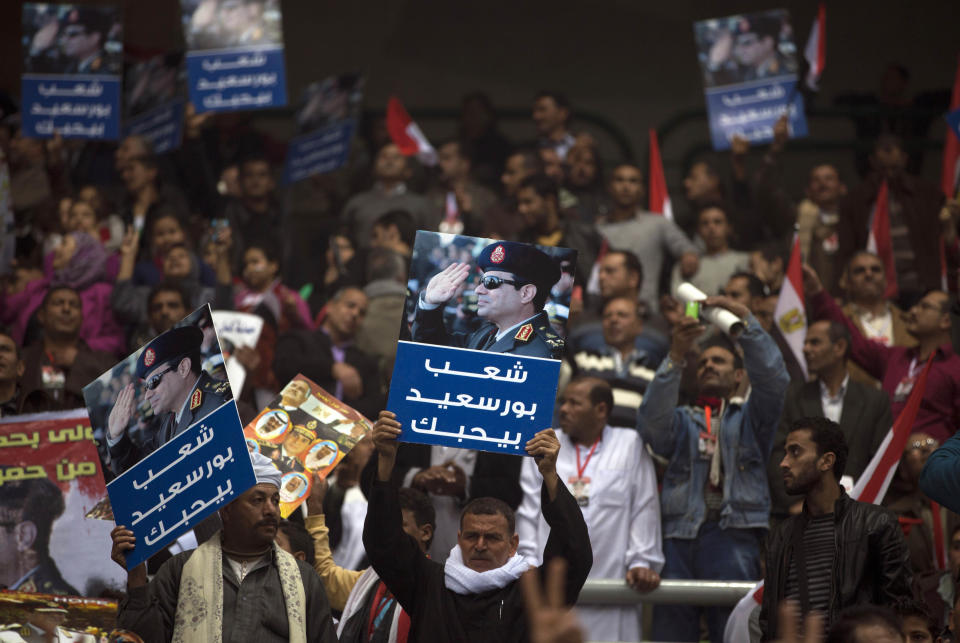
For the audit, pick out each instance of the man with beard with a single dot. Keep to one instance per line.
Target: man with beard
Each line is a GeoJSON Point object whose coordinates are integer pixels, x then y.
{"type": "Point", "coordinates": [837, 552]}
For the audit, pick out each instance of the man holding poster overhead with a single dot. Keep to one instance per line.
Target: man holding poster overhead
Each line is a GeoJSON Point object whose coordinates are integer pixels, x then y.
{"type": "Point", "coordinates": [237, 586]}
{"type": "Point", "coordinates": [516, 282]}
{"type": "Point", "coordinates": [475, 595]}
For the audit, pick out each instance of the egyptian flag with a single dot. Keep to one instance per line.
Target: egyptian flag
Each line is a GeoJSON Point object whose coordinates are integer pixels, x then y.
{"type": "Point", "coordinates": [659, 198]}
{"type": "Point", "coordinates": [816, 49]}
{"type": "Point", "coordinates": [875, 479]}
{"type": "Point", "coordinates": [407, 135]}
{"type": "Point", "coordinates": [879, 242]}
{"type": "Point", "coordinates": [789, 313]}
{"type": "Point", "coordinates": [593, 282]}
{"type": "Point", "coordinates": [950, 181]}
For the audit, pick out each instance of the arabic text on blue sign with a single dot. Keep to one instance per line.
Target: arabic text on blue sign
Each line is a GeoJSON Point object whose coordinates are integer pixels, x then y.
{"type": "Point", "coordinates": [471, 399]}
{"type": "Point", "coordinates": [226, 80]}
{"type": "Point", "coordinates": [171, 490]}
{"type": "Point", "coordinates": [318, 152]}
{"type": "Point", "coordinates": [74, 106]}
{"type": "Point", "coordinates": [750, 110]}
{"type": "Point", "coordinates": [162, 126]}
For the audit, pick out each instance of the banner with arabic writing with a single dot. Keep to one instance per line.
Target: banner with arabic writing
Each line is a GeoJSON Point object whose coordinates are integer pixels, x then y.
{"type": "Point", "coordinates": [481, 365]}
{"type": "Point", "coordinates": [305, 431]}
{"type": "Point", "coordinates": [153, 100]}
{"type": "Point", "coordinates": [174, 488]}
{"type": "Point", "coordinates": [326, 123]}
{"type": "Point", "coordinates": [72, 57]}
{"type": "Point", "coordinates": [749, 66]}
{"type": "Point", "coordinates": [173, 444]}
{"type": "Point", "coordinates": [234, 54]}
{"type": "Point", "coordinates": [50, 477]}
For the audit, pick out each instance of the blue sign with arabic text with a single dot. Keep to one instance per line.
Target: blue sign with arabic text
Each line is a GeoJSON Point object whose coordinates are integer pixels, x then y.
{"type": "Point", "coordinates": [318, 152]}
{"type": "Point", "coordinates": [86, 107]}
{"type": "Point", "coordinates": [751, 110]}
{"type": "Point", "coordinates": [174, 488]}
{"type": "Point", "coordinates": [472, 399]}
{"type": "Point", "coordinates": [162, 126]}
{"type": "Point", "coordinates": [237, 79]}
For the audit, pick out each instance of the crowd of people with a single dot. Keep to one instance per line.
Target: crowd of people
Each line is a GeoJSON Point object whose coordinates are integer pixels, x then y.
{"type": "Point", "coordinates": [677, 451]}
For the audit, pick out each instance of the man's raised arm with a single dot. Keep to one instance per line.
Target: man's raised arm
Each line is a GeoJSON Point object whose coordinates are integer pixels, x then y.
{"type": "Point", "coordinates": [569, 538]}
{"type": "Point", "coordinates": [655, 420]}
{"type": "Point", "coordinates": [393, 554]}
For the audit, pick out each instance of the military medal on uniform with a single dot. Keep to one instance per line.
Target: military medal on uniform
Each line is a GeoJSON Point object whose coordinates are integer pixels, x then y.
{"type": "Point", "coordinates": [580, 484]}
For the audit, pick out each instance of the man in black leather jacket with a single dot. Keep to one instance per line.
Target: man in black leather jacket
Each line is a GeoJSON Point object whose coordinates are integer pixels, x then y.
{"type": "Point", "coordinates": [837, 552]}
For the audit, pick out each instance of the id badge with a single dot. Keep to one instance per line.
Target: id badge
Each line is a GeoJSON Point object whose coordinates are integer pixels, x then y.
{"type": "Point", "coordinates": [902, 392]}
{"type": "Point", "coordinates": [52, 377]}
{"type": "Point", "coordinates": [707, 445]}
{"type": "Point", "coordinates": [580, 489]}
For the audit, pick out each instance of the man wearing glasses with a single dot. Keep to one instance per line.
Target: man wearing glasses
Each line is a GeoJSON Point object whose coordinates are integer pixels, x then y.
{"type": "Point", "coordinates": [82, 38]}
{"type": "Point", "coordinates": [28, 509]}
{"type": "Point", "coordinates": [510, 297]}
{"type": "Point", "coordinates": [177, 389]}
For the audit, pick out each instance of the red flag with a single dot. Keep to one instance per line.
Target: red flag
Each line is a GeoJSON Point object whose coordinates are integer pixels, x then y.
{"type": "Point", "coordinates": [951, 148]}
{"type": "Point", "coordinates": [879, 242]}
{"type": "Point", "coordinates": [816, 50]}
{"type": "Point", "coordinates": [659, 198]}
{"type": "Point", "coordinates": [406, 134]}
{"type": "Point", "coordinates": [873, 483]}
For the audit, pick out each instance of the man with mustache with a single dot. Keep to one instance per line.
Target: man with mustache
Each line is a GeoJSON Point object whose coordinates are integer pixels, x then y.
{"type": "Point", "coordinates": [179, 391]}
{"type": "Point", "coordinates": [837, 552]}
{"type": "Point", "coordinates": [516, 283]}
{"type": "Point", "coordinates": [899, 367]}
{"type": "Point", "coordinates": [715, 501]}
{"type": "Point", "coordinates": [878, 318]}
{"type": "Point", "coordinates": [237, 586]}
{"type": "Point", "coordinates": [475, 596]}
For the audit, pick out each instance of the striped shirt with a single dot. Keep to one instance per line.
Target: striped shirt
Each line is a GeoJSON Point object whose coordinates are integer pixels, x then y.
{"type": "Point", "coordinates": [820, 550]}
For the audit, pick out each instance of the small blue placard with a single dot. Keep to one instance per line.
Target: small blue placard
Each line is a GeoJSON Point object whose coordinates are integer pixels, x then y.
{"type": "Point", "coordinates": [174, 488]}
{"type": "Point", "coordinates": [750, 110]}
{"type": "Point", "coordinates": [237, 79]}
{"type": "Point", "coordinates": [471, 399]}
{"type": "Point", "coordinates": [322, 151]}
{"type": "Point", "coordinates": [162, 126]}
{"type": "Point", "coordinates": [74, 106]}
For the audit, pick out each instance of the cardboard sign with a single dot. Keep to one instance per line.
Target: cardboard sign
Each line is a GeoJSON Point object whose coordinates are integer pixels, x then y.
{"type": "Point", "coordinates": [234, 54]}
{"type": "Point", "coordinates": [481, 368]}
{"type": "Point", "coordinates": [306, 432]}
{"type": "Point", "coordinates": [49, 479]}
{"type": "Point", "coordinates": [173, 439]}
{"type": "Point", "coordinates": [749, 66]}
{"type": "Point", "coordinates": [72, 62]}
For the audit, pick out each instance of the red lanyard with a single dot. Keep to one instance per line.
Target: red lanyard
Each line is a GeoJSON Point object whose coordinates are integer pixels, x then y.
{"type": "Point", "coordinates": [939, 553]}
{"type": "Point", "coordinates": [580, 469]}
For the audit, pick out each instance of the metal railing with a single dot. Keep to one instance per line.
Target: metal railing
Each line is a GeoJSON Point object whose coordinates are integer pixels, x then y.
{"type": "Point", "coordinates": [615, 591]}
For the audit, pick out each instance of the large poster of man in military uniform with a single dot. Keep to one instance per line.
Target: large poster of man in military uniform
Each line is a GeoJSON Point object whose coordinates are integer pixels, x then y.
{"type": "Point", "coordinates": [481, 341]}
{"type": "Point", "coordinates": [305, 431]}
{"type": "Point", "coordinates": [157, 392]}
{"type": "Point", "coordinates": [486, 295]}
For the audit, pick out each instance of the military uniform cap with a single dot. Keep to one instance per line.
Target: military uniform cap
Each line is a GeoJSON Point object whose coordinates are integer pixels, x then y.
{"type": "Point", "coordinates": [91, 18]}
{"type": "Point", "coordinates": [303, 431]}
{"type": "Point", "coordinates": [176, 343]}
{"type": "Point", "coordinates": [529, 264]}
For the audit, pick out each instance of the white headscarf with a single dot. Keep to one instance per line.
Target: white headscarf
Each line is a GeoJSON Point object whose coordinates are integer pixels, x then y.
{"type": "Point", "coordinates": [265, 470]}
